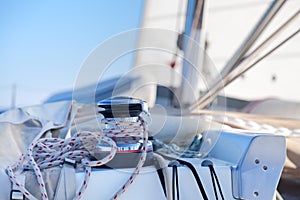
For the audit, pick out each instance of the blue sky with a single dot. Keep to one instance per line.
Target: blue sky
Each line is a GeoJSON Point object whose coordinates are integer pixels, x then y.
{"type": "Point", "coordinates": [44, 43]}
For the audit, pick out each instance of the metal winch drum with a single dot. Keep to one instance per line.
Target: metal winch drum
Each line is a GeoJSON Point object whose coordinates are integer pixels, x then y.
{"type": "Point", "coordinates": [122, 122]}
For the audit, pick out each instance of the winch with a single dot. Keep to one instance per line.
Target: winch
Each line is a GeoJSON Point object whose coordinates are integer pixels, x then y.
{"type": "Point", "coordinates": [123, 123]}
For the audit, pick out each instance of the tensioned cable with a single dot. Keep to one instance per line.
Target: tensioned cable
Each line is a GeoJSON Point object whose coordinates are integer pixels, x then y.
{"type": "Point", "coordinates": [243, 67]}
{"type": "Point", "coordinates": [236, 58]}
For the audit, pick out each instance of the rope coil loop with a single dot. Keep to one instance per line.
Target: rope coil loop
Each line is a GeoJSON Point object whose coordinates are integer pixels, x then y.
{"type": "Point", "coordinates": [45, 153]}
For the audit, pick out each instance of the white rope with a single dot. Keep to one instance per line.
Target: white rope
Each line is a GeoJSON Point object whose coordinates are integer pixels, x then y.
{"type": "Point", "coordinates": [144, 124]}
{"type": "Point", "coordinates": [49, 152]}
{"type": "Point", "coordinates": [251, 125]}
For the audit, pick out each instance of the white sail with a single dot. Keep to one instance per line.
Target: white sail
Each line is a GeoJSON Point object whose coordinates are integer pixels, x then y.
{"type": "Point", "coordinates": [164, 15]}
{"type": "Point", "coordinates": [162, 22]}
{"type": "Point", "coordinates": [168, 20]}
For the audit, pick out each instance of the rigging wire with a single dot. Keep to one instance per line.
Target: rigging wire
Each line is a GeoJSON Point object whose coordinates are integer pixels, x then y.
{"type": "Point", "coordinates": [211, 94]}
{"type": "Point", "coordinates": [253, 36]}
{"type": "Point", "coordinates": [270, 39]}
{"type": "Point", "coordinates": [273, 9]}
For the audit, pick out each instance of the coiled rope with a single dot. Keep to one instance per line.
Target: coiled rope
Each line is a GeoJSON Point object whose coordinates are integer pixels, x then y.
{"type": "Point", "coordinates": [44, 153]}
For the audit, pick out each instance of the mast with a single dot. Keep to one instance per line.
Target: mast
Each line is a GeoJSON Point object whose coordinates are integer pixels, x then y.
{"type": "Point", "coordinates": [193, 64]}
{"type": "Point", "coordinates": [13, 96]}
